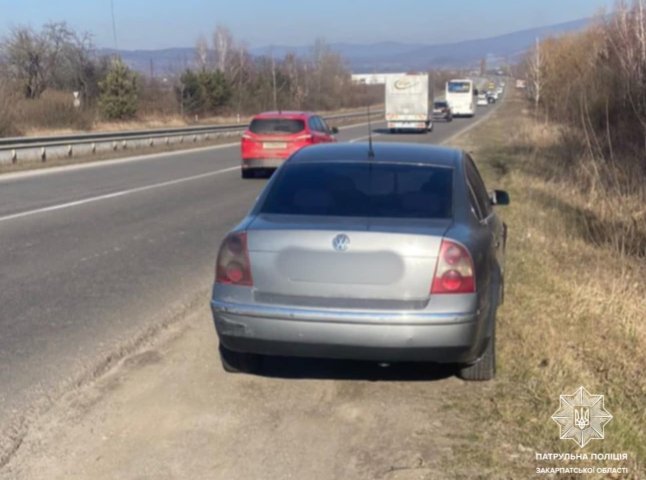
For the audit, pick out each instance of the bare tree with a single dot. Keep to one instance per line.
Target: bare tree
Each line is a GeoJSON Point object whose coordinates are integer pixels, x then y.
{"type": "Point", "coordinates": [56, 55]}
{"type": "Point", "coordinates": [202, 52]}
{"type": "Point", "coordinates": [222, 44]}
{"type": "Point", "coordinates": [534, 67]}
{"type": "Point", "coordinates": [26, 55]}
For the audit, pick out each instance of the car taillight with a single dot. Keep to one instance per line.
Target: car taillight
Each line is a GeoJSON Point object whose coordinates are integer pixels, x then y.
{"type": "Point", "coordinates": [233, 266]}
{"type": "Point", "coordinates": [303, 138]}
{"type": "Point", "coordinates": [454, 272]}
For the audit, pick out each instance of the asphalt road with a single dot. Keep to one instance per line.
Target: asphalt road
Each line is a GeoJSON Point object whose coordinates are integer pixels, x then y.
{"type": "Point", "coordinates": [94, 257]}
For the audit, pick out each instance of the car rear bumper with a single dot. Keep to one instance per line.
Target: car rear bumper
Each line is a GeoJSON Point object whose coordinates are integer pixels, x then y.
{"type": "Point", "coordinates": [409, 125]}
{"type": "Point", "coordinates": [248, 163]}
{"type": "Point", "coordinates": [360, 335]}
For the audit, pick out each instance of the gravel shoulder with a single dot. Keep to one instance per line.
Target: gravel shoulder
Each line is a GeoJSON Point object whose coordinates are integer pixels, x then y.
{"type": "Point", "coordinates": [169, 411]}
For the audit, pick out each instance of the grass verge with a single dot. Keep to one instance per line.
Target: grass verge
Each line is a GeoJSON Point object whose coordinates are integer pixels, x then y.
{"type": "Point", "coordinates": [573, 315]}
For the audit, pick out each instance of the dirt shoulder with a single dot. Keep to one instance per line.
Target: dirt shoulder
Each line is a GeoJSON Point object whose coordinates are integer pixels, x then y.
{"type": "Point", "coordinates": [169, 411]}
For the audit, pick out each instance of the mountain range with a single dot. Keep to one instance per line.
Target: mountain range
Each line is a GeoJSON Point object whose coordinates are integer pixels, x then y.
{"type": "Point", "coordinates": [380, 57]}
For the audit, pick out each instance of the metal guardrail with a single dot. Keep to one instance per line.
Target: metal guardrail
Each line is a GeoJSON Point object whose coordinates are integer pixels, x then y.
{"type": "Point", "coordinates": [40, 148]}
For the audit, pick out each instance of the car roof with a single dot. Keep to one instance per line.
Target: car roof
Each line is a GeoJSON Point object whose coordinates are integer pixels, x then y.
{"type": "Point", "coordinates": [384, 152]}
{"type": "Point", "coordinates": [284, 114]}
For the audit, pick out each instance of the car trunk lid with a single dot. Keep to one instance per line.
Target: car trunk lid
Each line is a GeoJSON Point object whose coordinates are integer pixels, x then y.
{"type": "Point", "coordinates": [344, 262]}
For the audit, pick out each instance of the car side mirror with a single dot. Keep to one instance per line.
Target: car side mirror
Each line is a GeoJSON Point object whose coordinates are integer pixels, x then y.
{"type": "Point", "coordinates": [334, 130]}
{"type": "Point", "coordinates": [499, 197]}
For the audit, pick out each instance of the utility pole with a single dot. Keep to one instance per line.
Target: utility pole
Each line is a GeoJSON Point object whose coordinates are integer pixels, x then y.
{"type": "Point", "coordinates": [241, 66]}
{"type": "Point", "coordinates": [114, 26]}
{"type": "Point", "coordinates": [537, 75]}
{"type": "Point", "coordinates": [273, 75]}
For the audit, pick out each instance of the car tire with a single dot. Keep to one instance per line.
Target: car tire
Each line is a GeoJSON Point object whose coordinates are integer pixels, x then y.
{"type": "Point", "coordinates": [246, 173]}
{"type": "Point", "coordinates": [238, 362]}
{"type": "Point", "coordinates": [485, 368]}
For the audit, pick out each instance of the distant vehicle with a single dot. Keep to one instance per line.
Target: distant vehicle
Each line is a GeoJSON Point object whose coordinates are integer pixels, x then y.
{"type": "Point", "coordinates": [393, 257]}
{"type": "Point", "coordinates": [408, 105]}
{"type": "Point", "coordinates": [483, 101]}
{"type": "Point", "coordinates": [521, 83]}
{"type": "Point", "coordinates": [273, 136]}
{"type": "Point", "coordinates": [460, 95]}
{"type": "Point", "coordinates": [492, 96]}
{"type": "Point", "coordinates": [442, 111]}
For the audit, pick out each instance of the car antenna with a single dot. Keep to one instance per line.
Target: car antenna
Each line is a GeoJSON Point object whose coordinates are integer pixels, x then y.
{"type": "Point", "coordinates": [371, 152]}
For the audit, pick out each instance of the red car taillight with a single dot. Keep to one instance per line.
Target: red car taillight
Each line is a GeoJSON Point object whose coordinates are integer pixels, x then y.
{"type": "Point", "coordinates": [304, 138]}
{"type": "Point", "coordinates": [233, 266]}
{"type": "Point", "coordinates": [454, 272]}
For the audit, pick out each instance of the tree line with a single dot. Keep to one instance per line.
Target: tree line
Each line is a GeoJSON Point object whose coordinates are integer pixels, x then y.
{"type": "Point", "coordinates": [594, 82]}
{"type": "Point", "coordinates": [40, 68]}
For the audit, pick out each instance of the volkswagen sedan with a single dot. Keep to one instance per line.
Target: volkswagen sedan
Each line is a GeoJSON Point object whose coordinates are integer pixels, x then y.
{"type": "Point", "coordinates": [394, 254]}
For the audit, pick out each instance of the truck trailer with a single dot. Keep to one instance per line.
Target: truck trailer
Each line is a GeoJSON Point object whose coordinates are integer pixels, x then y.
{"type": "Point", "coordinates": [409, 103]}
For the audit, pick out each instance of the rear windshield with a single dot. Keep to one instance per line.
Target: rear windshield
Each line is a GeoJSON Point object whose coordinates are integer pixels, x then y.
{"type": "Point", "coordinates": [459, 87]}
{"type": "Point", "coordinates": [362, 190]}
{"type": "Point", "coordinates": [276, 125]}
{"type": "Point", "coordinates": [440, 104]}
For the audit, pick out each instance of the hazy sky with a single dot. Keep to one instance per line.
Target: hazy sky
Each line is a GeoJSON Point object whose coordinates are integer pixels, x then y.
{"type": "Point", "coordinates": [172, 23]}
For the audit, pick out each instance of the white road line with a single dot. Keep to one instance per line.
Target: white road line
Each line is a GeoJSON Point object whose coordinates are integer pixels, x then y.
{"type": "Point", "coordinates": [115, 161]}
{"type": "Point", "coordinates": [473, 124]}
{"type": "Point", "coordinates": [365, 137]}
{"type": "Point", "coordinates": [120, 193]}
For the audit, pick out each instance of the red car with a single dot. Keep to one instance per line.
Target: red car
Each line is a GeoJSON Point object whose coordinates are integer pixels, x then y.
{"type": "Point", "coordinates": [273, 136]}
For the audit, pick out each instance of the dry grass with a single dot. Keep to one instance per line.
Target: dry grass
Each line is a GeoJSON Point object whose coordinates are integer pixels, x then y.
{"type": "Point", "coordinates": [54, 110]}
{"type": "Point", "coordinates": [7, 113]}
{"type": "Point", "coordinates": [57, 116]}
{"type": "Point", "coordinates": [575, 304]}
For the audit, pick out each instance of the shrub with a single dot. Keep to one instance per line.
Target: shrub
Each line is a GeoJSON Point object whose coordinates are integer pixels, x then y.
{"type": "Point", "coordinates": [118, 99]}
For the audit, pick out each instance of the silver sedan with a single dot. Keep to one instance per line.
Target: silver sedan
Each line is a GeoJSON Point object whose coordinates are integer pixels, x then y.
{"type": "Point", "coordinates": [394, 254]}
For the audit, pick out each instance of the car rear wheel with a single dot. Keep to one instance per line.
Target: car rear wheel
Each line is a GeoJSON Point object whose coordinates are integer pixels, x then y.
{"type": "Point", "coordinates": [485, 368]}
{"type": "Point", "coordinates": [238, 362]}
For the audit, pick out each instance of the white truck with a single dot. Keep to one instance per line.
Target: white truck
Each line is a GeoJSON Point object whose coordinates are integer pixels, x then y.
{"type": "Point", "coordinates": [409, 103]}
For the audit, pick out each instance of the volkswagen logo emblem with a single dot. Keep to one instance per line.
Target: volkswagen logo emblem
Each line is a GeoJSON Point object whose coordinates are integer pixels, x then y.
{"type": "Point", "coordinates": [341, 242]}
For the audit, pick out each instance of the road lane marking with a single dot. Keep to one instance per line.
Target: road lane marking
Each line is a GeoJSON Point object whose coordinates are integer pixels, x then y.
{"type": "Point", "coordinates": [107, 163]}
{"type": "Point", "coordinates": [120, 193]}
{"type": "Point", "coordinates": [365, 137]}
{"type": "Point", "coordinates": [472, 124]}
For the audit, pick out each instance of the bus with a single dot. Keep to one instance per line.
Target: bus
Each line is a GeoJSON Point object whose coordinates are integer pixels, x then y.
{"type": "Point", "coordinates": [461, 98]}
